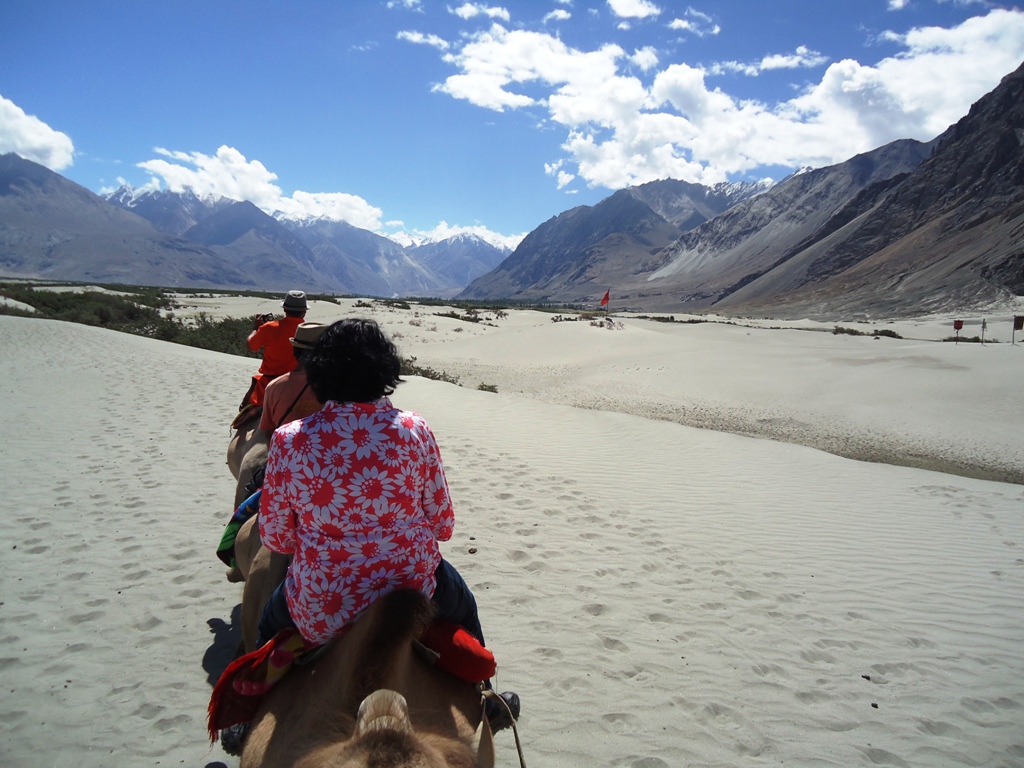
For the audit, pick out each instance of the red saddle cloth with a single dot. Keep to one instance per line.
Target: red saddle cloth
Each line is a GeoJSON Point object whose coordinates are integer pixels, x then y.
{"type": "Point", "coordinates": [241, 688]}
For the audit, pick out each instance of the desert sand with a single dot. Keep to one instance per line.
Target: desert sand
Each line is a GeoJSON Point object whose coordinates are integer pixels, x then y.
{"type": "Point", "coordinates": [662, 583]}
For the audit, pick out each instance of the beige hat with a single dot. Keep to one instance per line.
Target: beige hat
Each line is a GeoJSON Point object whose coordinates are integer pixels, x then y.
{"type": "Point", "coordinates": [306, 335]}
{"type": "Point", "coordinates": [294, 300]}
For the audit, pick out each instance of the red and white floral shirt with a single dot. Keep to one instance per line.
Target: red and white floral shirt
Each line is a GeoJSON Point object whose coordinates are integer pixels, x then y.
{"type": "Point", "coordinates": [356, 493]}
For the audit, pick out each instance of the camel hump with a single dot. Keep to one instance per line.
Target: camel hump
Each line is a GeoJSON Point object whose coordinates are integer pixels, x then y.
{"type": "Point", "coordinates": [391, 623]}
{"type": "Point", "coordinates": [399, 616]}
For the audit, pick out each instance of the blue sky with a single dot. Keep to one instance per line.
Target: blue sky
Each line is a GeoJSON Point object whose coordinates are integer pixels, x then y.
{"type": "Point", "coordinates": [417, 117]}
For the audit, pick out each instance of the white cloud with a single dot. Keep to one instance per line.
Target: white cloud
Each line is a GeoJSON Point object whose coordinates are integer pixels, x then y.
{"type": "Point", "coordinates": [411, 5]}
{"type": "Point", "coordinates": [696, 23]}
{"type": "Point", "coordinates": [230, 174]}
{"type": "Point", "coordinates": [557, 15]}
{"type": "Point", "coordinates": [339, 206]}
{"type": "Point", "coordinates": [898, 5]}
{"type": "Point", "coordinates": [564, 179]}
{"type": "Point", "coordinates": [622, 130]}
{"type": "Point", "coordinates": [470, 10]}
{"type": "Point", "coordinates": [645, 58]}
{"type": "Point", "coordinates": [802, 57]}
{"type": "Point", "coordinates": [633, 9]}
{"type": "Point", "coordinates": [928, 86]}
{"type": "Point", "coordinates": [33, 139]}
{"type": "Point", "coordinates": [421, 39]}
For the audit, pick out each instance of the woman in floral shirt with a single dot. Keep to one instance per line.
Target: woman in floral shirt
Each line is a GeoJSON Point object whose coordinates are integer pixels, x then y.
{"type": "Point", "coordinates": [356, 494]}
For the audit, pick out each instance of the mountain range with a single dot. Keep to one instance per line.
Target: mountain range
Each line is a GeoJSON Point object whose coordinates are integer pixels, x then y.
{"type": "Point", "coordinates": [52, 228]}
{"type": "Point", "coordinates": [908, 228]}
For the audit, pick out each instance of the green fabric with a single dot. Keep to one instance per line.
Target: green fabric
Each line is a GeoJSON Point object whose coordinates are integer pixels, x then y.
{"type": "Point", "coordinates": [226, 548]}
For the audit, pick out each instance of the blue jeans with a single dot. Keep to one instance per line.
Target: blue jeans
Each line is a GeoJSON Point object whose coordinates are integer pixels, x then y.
{"type": "Point", "coordinates": [455, 601]}
{"type": "Point", "coordinates": [453, 598]}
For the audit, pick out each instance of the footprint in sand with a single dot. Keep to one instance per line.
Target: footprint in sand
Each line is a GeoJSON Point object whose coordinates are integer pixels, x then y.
{"type": "Point", "coordinates": [883, 757]}
{"type": "Point", "coordinates": [814, 657]}
{"type": "Point", "coordinates": [82, 618]}
{"type": "Point", "coordinates": [614, 645]}
{"type": "Point", "coordinates": [549, 653]}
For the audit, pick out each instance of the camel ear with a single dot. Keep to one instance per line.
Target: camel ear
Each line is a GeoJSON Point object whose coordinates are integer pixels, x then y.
{"type": "Point", "coordinates": [483, 742]}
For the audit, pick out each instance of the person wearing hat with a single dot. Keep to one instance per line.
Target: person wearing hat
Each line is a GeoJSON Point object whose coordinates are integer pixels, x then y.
{"type": "Point", "coordinates": [289, 397]}
{"type": "Point", "coordinates": [273, 336]}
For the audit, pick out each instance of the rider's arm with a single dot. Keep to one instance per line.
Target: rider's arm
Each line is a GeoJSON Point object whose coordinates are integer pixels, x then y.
{"type": "Point", "coordinates": [277, 520]}
{"type": "Point", "coordinates": [257, 338]}
{"type": "Point", "coordinates": [437, 500]}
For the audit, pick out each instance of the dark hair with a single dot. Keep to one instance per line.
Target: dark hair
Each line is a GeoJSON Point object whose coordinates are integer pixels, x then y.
{"type": "Point", "coordinates": [295, 313]}
{"type": "Point", "coordinates": [352, 361]}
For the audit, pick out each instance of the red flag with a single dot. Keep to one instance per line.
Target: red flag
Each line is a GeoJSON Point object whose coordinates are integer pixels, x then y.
{"type": "Point", "coordinates": [604, 300]}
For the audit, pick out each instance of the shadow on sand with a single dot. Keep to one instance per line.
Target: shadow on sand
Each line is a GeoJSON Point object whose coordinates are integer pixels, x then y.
{"type": "Point", "coordinates": [226, 641]}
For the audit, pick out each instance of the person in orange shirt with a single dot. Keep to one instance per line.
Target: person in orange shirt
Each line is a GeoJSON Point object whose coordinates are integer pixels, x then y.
{"type": "Point", "coordinates": [290, 397]}
{"type": "Point", "coordinates": [273, 336]}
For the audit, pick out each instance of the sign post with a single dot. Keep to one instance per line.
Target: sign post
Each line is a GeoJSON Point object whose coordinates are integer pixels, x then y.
{"type": "Point", "coordinates": [957, 325]}
{"type": "Point", "coordinates": [1018, 325]}
{"type": "Point", "coordinates": [984, 325]}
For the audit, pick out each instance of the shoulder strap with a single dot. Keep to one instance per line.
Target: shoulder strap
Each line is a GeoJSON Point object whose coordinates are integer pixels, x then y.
{"type": "Point", "coordinates": [296, 400]}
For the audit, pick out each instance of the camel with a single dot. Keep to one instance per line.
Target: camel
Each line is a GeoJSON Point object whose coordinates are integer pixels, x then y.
{"type": "Point", "coordinates": [263, 571]}
{"type": "Point", "coordinates": [372, 700]}
{"type": "Point", "coordinates": [247, 452]}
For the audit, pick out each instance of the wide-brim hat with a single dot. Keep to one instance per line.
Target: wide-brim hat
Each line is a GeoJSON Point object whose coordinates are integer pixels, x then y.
{"type": "Point", "coordinates": [306, 335]}
{"type": "Point", "coordinates": [294, 300]}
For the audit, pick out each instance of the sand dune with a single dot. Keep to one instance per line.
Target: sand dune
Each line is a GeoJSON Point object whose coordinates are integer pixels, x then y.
{"type": "Point", "coordinates": [659, 595]}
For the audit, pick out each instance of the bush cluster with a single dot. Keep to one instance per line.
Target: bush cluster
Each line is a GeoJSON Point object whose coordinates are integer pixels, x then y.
{"type": "Point", "coordinates": [887, 332]}
{"type": "Point", "coordinates": [135, 312]}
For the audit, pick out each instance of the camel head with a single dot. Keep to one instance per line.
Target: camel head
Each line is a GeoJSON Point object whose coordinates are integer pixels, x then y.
{"type": "Point", "coordinates": [384, 738]}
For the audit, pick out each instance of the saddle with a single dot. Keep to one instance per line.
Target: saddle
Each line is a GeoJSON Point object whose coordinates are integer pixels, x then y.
{"type": "Point", "coordinates": [248, 413]}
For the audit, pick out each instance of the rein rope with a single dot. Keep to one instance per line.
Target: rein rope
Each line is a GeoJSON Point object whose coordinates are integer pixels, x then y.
{"type": "Point", "coordinates": [493, 695]}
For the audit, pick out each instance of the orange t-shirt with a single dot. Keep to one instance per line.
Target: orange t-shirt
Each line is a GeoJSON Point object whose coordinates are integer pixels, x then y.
{"type": "Point", "coordinates": [278, 355]}
{"type": "Point", "coordinates": [288, 390]}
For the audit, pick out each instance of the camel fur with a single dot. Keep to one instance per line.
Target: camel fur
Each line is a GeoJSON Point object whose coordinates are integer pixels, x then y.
{"type": "Point", "coordinates": [247, 453]}
{"type": "Point", "coordinates": [263, 571]}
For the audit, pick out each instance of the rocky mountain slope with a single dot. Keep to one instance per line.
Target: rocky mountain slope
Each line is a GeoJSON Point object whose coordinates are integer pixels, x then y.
{"type": "Point", "coordinates": [460, 259]}
{"type": "Point", "coordinates": [947, 236]}
{"type": "Point", "coordinates": [54, 229]}
{"type": "Point", "coordinates": [322, 254]}
{"type": "Point", "coordinates": [584, 250]}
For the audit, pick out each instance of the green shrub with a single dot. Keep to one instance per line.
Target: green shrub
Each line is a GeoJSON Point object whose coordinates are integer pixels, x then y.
{"type": "Point", "coordinates": [411, 368]}
{"type": "Point", "coordinates": [970, 340]}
